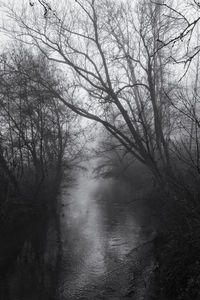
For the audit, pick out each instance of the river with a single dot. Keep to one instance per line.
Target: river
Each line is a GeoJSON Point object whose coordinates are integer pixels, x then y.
{"type": "Point", "coordinates": [99, 234]}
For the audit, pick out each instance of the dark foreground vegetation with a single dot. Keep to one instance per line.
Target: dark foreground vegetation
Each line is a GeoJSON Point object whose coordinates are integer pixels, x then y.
{"type": "Point", "coordinates": [169, 221]}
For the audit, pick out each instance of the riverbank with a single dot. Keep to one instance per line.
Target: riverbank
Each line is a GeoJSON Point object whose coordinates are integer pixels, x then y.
{"type": "Point", "coordinates": [30, 244]}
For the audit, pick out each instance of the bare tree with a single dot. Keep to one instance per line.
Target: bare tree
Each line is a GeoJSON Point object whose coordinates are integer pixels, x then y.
{"type": "Point", "coordinates": [35, 126]}
{"type": "Point", "coordinates": [185, 18]}
{"type": "Point", "coordinates": [117, 75]}
{"type": "Point", "coordinates": [185, 101]}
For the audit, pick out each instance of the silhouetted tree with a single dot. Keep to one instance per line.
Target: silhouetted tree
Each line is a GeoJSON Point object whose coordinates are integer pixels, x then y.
{"type": "Point", "coordinates": [122, 81]}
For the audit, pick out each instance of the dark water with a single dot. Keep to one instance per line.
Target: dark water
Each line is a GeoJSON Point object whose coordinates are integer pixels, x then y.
{"type": "Point", "coordinates": [98, 234]}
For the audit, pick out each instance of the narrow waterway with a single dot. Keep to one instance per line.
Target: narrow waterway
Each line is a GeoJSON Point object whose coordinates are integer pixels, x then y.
{"type": "Point", "coordinates": [98, 234]}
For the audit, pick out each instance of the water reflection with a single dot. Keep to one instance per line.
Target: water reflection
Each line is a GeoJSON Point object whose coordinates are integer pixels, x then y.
{"type": "Point", "coordinates": [98, 232]}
